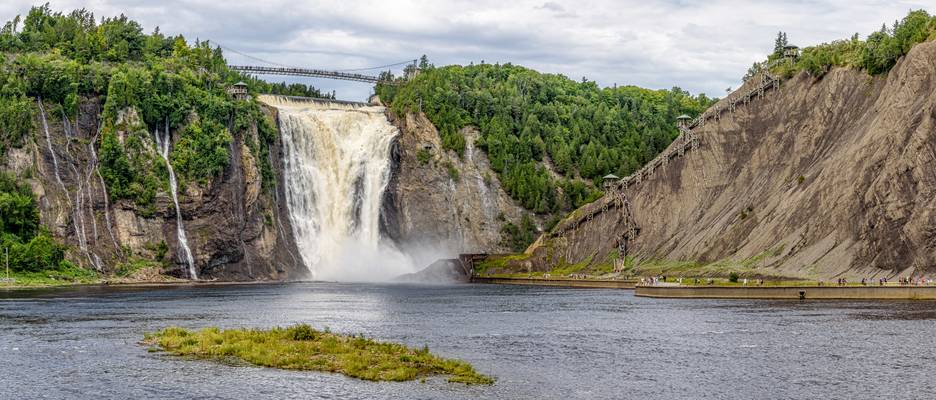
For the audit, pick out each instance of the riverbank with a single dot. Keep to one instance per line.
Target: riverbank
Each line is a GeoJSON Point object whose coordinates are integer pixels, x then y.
{"type": "Point", "coordinates": [103, 283]}
{"type": "Point", "coordinates": [560, 282]}
{"type": "Point", "coordinates": [790, 292]}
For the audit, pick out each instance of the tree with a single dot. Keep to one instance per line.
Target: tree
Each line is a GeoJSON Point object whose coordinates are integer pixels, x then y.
{"type": "Point", "coordinates": [424, 63]}
{"type": "Point", "coordinates": [779, 43]}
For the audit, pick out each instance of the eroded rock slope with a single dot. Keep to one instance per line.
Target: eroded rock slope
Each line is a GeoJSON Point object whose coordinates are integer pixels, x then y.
{"type": "Point", "coordinates": [822, 178]}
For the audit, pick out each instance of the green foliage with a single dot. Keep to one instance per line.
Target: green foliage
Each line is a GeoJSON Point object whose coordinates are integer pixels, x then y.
{"type": "Point", "coordinates": [131, 170]}
{"type": "Point", "coordinates": [875, 55]}
{"type": "Point", "coordinates": [167, 82]}
{"type": "Point", "coordinates": [301, 332]}
{"type": "Point", "coordinates": [130, 267]}
{"type": "Point", "coordinates": [202, 153]}
{"type": "Point", "coordinates": [525, 116]}
{"type": "Point", "coordinates": [517, 238]}
{"type": "Point", "coordinates": [30, 249]}
{"type": "Point", "coordinates": [453, 172]}
{"type": "Point", "coordinates": [19, 214]}
{"type": "Point", "coordinates": [16, 121]}
{"type": "Point", "coordinates": [733, 277]}
{"type": "Point", "coordinates": [301, 347]}
{"type": "Point", "coordinates": [578, 193]}
{"type": "Point", "coordinates": [159, 250]}
{"type": "Point", "coordinates": [292, 89]}
{"type": "Point", "coordinates": [423, 156]}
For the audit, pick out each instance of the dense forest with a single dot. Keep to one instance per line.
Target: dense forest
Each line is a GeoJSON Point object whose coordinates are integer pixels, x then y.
{"type": "Point", "coordinates": [531, 121]}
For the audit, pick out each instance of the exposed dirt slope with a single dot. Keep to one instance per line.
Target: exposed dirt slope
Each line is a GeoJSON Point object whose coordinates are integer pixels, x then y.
{"type": "Point", "coordinates": [823, 178]}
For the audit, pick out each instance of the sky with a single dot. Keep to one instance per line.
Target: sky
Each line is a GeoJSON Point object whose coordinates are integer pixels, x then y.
{"type": "Point", "coordinates": [700, 46]}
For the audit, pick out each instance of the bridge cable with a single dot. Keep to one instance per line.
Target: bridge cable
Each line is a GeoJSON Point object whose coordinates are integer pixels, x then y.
{"type": "Point", "coordinates": [293, 66]}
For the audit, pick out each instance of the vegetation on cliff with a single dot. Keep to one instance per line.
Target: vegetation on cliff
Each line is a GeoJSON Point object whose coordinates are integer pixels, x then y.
{"type": "Point", "coordinates": [529, 120]}
{"type": "Point", "coordinates": [148, 82]}
{"type": "Point", "coordinates": [300, 347]}
{"type": "Point", "coordinates": [877, 54]}
{"type": "Point", "coordinates": [29, 247]}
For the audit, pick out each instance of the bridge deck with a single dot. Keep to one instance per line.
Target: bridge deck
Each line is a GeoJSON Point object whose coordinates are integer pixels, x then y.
{"type": "Point", "coordinates": [314, 73]}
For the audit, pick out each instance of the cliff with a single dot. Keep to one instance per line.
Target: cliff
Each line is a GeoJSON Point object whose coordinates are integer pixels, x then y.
{"type": "Point", "coordinates": [236, 229]}
{"type": "Point", "coordinates": [438, 204]}
{"type": "Point", "coordinates": [822, 178]}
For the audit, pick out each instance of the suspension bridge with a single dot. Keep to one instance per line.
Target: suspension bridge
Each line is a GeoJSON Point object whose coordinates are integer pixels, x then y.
{"type": "Point", "coordinates": [308, 72]}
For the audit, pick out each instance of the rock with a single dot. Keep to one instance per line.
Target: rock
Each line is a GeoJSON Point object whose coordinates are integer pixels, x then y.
{"type": "Point", "coordinates": [824, 178]}
{"type": "Point", "coordinates": [236, 230]}
{"type": "Point", "coordinates": [429, 213]}
{"type": "Point", "coordinates": [443, 271]}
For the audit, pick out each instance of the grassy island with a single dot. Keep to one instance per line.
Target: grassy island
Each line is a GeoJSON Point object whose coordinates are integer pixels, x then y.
{"type": "Point", "coordinates": [300, 347]}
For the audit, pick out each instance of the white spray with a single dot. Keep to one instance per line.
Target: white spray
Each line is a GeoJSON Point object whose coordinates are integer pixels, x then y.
{"type": "Point", "coordinates": [336, 168]}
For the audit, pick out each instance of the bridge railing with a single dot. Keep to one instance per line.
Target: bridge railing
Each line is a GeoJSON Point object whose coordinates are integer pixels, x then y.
{"type": "Point", "coordinates": [316, 73]}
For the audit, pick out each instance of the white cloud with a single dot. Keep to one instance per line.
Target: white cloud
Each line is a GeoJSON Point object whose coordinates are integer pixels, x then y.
{"type": "Point", "coordinates": [698, 45]}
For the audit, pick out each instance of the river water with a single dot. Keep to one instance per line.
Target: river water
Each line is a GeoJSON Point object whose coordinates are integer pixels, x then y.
{"type": "Point", "coordinates": [539, 343]}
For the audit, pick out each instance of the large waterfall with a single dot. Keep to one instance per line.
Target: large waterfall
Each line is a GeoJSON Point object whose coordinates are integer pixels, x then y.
{"type": "Point", "coordinates": [336, 168]}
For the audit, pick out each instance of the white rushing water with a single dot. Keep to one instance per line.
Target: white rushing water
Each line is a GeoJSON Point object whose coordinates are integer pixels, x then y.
{"type": "Point", "coordinates": [163, 143]}
{"type": "Point", "coordinates": [77, 219]}
{"type": "Point", "coordinates": [336, 168]}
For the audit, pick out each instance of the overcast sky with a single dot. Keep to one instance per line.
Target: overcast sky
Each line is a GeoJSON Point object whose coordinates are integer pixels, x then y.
{"type": "Point", "coordinates": [701, 46]}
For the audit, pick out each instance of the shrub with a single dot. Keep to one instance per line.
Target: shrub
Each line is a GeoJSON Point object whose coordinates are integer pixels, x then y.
{"type": "Point", "coordinates": [302, 332]}
{"type": "Point", "coordinates": [423, 156]}
{"type": "Point", "coordinates": [16, 121]}
{"type": "Point", "coordinates": [453, 172]}
{"type": "Point", "coordinates": [733, 277]}
{"type": "Point", "coordinates": [19, 214]}
{"type": "Point", "coordinates": [202, 152]}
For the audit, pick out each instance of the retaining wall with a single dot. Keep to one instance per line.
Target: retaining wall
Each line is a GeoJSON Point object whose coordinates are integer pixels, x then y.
{"type": "Point", "coordinates": [791, 292]}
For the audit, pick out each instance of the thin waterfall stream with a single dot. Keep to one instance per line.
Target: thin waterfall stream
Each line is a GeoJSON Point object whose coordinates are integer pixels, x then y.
{"type": "Point", "coordinates": [163, 142]}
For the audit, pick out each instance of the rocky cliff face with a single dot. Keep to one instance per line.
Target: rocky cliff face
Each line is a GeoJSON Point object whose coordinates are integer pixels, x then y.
{"type": "Point", "coordinates": [236, 230]}
{"type": "Point", "coordinates": [438, 204]}
{"type": "Point", "coordinates": [823, 178]}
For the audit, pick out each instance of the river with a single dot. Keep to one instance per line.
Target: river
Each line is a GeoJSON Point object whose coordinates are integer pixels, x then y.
{"type": "Point", "coordinates": [539, 343]}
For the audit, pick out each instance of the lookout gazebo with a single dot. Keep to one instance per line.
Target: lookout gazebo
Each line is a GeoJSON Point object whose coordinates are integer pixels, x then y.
{"type": "Point", "coordinates": [682, 121]}
{"type": "Point", "coordinates": [790, 52]}
{"type": "Point", "coordinates": [609, 180]}
{"type": "Point", "coordinates": [238, 91]}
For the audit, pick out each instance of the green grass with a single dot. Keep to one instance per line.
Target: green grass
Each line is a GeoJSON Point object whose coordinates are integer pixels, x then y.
{"type": "Point", "coordinates": [567, 269]}
{"type": "Point", "coordinates": [300, 347]}
{"type": "Point", "coordinates": [65, 275]}
{"type": "Point", "coordinates": [497, 263]}
{"type": "Point", "coordinates": [130, 267]}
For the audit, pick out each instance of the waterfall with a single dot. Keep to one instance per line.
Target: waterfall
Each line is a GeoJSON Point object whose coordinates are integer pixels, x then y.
{"type": "Point", "coordinates": [163, 143]}
{"type": "Point", "coordinates": [95, 166]}
{"type": "Point", "coordinates": [76, 214]}
{"type": "Point", "coordinates": [336, 159]}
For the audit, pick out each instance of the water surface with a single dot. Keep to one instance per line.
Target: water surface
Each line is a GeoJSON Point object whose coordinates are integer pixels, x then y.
{"type": "Point", "coordinates": [540, 343]}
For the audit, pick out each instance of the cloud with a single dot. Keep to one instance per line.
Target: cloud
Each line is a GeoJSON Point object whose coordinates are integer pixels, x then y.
{"type": "Point", "coordinates": [701, 46]}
